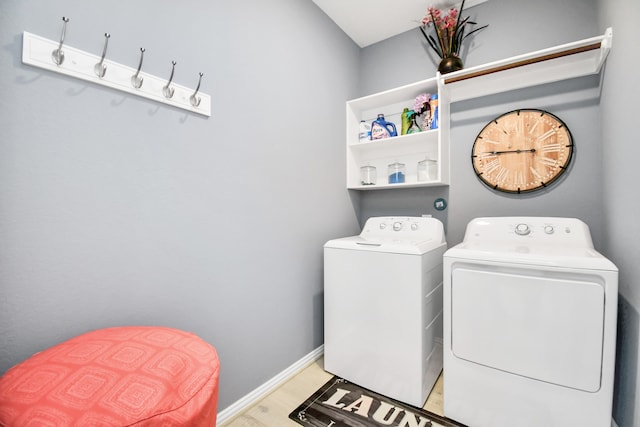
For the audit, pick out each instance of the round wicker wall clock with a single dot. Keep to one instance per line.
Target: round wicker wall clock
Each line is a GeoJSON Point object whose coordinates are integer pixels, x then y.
{"type": "Point", "coordinates": [522, 150]}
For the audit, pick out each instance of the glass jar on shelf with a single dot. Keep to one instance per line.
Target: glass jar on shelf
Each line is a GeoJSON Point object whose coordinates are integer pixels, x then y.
{"type": "Point", "coordinates": [368, 175]}
{"type": "Point", "coordinates": [396, 173]}
{"type": "Point", "coordinates": [427, 170]}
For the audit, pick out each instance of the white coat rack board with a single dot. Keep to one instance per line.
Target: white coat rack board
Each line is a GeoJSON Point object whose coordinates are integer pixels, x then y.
{"type": "Point", "coordinates": [43, 53]}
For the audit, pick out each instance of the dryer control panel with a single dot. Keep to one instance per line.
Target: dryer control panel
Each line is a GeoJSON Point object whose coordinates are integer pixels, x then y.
{"type": "Point", "coordinates": [566, 231]}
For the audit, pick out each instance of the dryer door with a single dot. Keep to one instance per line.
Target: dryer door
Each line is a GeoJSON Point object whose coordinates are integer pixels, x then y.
{"type": "Point", "coordinates": [540, 325]}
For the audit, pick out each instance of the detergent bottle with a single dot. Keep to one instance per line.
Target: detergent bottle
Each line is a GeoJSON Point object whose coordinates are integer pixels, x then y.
{"type": "Point", "coordinates": [406, 120]}
{"type": "Point", "coordinates": [364, 133]}
{"type": "Point", "coordinates": [413, 127]}
{"type": "Point", "coordinates": [380, 128]}
{"type": "Point", "coordinates": [435, 111]}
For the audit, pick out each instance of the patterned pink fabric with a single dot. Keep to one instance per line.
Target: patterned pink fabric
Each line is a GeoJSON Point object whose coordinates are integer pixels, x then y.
{"type": "Point", "coordinates": [142, 376]}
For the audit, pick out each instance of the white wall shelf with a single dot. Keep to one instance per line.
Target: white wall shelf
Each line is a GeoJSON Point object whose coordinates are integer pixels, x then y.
{"type": "Point", "coordinates": [577, 59]}
{"type": "Point", "coordinates": [581, 58]}
{"type": "Point", "coordinates": [407, 149]}
{"type": "Point", "coordinates": [36, 51]}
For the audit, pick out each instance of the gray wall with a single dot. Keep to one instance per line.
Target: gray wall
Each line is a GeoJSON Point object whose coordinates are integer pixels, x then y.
{"type": "Point", "coordinates": [601, 185]}
{"type": "Point", "coordinates": [116, 210]}
{"type": "Point", "coordinates": [620, 95]}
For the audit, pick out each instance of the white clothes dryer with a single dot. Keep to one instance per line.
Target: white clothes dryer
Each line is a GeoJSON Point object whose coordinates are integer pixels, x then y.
{"type": "Point", "coordinates": [529, 325]}
{"type": "Point", "coordinates": [383, 306]}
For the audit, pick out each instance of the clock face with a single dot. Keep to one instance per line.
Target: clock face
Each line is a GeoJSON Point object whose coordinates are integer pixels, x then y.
{"type": "Point", "coordinates": [523, 150]}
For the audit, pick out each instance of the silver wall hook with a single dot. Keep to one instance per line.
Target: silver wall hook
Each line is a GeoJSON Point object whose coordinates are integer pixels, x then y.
{"type": "Point", "coordinates": [136, 80]}
{"type": "Point", "coordinates": [100, 68]}
{"type": "Point", "coordinates": [166, 90]}
{"type": "Point", "coordinates": [195, 100]}
{"type": "Point", "coordinates": [58, 55]}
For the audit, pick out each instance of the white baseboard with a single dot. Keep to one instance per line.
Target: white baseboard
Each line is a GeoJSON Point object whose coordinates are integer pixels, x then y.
{"type": "Point", "coordinates": [266, 388]}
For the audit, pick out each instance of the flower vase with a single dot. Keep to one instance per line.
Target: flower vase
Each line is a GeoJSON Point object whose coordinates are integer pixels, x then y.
{"type": "Point", "coordinates": [450, 64]}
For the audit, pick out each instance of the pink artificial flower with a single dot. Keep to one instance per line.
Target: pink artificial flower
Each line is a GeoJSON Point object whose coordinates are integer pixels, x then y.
{"type": "Point", "coordinates": [449, 30]}
{"type": "Point", "coordinates": [418, 104]}
{"type": "Point", "coordinates": [427, 17]}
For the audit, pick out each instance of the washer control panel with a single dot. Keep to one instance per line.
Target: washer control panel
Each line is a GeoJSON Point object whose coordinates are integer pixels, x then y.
{"type": "Point", "coordinates": [403, 228]}
{"type": "Point", "coordinates": [529, 229]}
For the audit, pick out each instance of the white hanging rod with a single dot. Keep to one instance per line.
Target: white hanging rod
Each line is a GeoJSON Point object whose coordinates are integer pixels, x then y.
{"type": "Point", "coordinates": [43, 53]}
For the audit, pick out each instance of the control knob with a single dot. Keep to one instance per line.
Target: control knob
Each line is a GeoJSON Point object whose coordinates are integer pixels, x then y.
{"type": "Point", "coordinates": [397, 226]}
{"type": "Point", "coordinates": [522, 229]}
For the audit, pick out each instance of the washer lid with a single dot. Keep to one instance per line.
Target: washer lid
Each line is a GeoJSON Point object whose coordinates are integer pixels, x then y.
{"type": "Point", "coordinates": [410, 247]}
{"type": "Point", "coordinates": [402, 235]}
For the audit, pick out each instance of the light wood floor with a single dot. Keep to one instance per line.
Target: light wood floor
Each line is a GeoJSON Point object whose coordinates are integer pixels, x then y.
{"type": "Point", "coordinates": [274, 409]}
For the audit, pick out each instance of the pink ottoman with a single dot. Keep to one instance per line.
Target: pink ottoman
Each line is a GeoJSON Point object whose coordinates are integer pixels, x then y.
{"type": "Point", "coordinates": [142, 376]}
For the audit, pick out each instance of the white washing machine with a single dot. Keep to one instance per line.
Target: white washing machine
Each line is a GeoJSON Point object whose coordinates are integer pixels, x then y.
{"type": "Point", "coordinates": [529, 325]}
{"type": "Point", "coordinates": [383, 306]}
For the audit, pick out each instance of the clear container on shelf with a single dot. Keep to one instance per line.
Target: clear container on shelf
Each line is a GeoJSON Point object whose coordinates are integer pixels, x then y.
{"type": "Point", "coordinates": [368, 175]}
{"type": "Point", "coordinates": [396, 173]}
{"type": "Point", "coordinates": [427, 170]}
